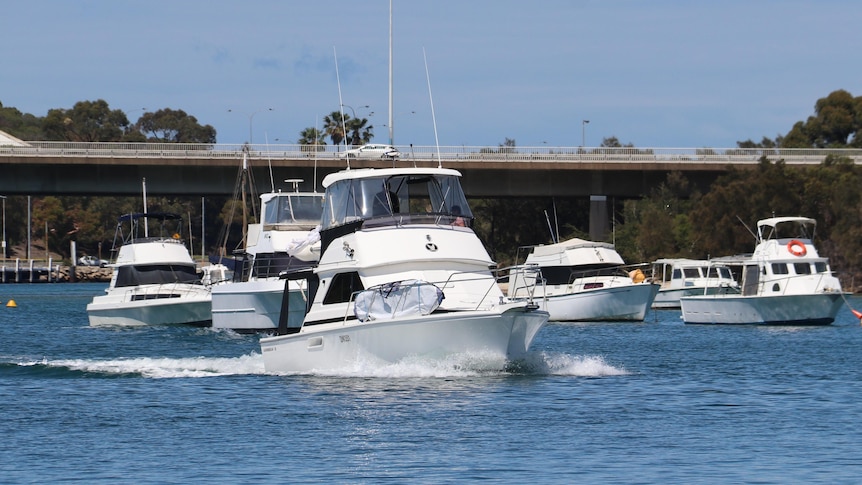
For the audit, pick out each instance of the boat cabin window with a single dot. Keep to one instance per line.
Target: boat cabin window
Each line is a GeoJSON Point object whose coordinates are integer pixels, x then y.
{"type": "Point", "coordinates": [821, 267]}
{"type": "Point", "coordinates": [677, 274]}
{"type": "Point", "coordinates": [780, 268]}
{"type": "Point", "coordinates": [719, 273]}
{"type": "Point", "coordinates": [398, 199]}
{"type": "Point", "coordinates": [691, 272]}
{"type": "Point", "coordinates": [156, 274]}
{"type": "Point", "coordinates": [342, 288]}
{"type": "Point", "coordinates": [802, 268]}
{"type": "Point", "coordinates": [789, 230]}
{"type": "Point", "coordinates": [299, 210]}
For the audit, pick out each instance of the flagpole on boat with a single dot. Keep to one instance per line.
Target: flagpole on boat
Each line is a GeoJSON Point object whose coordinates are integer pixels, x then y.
{"type": "Point", "coordinates": [391, 129]}
{"type": "Point", "coordinates": [146, 225]}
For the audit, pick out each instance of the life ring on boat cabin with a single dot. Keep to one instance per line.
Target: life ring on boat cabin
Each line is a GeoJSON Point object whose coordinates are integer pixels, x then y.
{"type": "Point", "coordinates": [797, 248]}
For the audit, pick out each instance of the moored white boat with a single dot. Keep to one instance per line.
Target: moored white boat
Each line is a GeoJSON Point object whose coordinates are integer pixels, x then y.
{"type": "Point", "coordinates": [154, 281]}
{"type": "Point", "coordinates": [285, 240]}
{"type": "Point", "coordinates": [583, 281]}
{"type": "Point", "coordinates": [784, 282]}
{"type": "Point", "coordinates": [680, 277]}
{"type": "Point", "coordinates": [399, 278]}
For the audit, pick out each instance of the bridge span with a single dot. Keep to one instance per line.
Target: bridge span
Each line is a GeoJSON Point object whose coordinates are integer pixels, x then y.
{"type": "Point", "coordinates": [70, 168]}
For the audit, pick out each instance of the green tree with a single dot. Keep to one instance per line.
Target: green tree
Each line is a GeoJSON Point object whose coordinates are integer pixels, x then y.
{"type": "Point", "coordinates": [87, 121]}
{"type": "Point", "coordinates": [360, 134]}
{"type": "Point", "coordinates": [20, 125]}
{"type": "Point", "coordinates": [175, 126]}
{"type": "Point", "coordinates": [311, 137]}
{"type": "Point", "coordinates": [836, 123]}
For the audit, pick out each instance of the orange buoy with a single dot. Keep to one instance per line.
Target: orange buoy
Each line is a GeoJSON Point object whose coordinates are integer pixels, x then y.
{"type": "Point", "coordinates": [11, 304]}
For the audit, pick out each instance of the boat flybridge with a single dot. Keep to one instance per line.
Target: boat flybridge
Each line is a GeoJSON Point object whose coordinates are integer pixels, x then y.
{"type": "Point", "coordinates": [287, 239]}
{"type": "Point", "coordinates": [784, 282]}
{"type": "Point", "coordinates": [155, 280]}
{"type": "Point", "coordinates": [401, 274]}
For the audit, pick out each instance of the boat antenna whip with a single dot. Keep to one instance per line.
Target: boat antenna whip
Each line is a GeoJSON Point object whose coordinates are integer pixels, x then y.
{"type": "Point", "coordinates": [553, 238]}
{"type": "Point", "coordinates": [341, 106]}
{"type": "Point", "coordinates": [747, 228]}
{"type": "Point", "coordinates": [433, 117]}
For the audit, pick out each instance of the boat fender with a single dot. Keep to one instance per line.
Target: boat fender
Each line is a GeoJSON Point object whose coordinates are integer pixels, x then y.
{"type": "Point", "coordinates": [637, 276]}
{"type": "Point", "coordinates": [797, 248]}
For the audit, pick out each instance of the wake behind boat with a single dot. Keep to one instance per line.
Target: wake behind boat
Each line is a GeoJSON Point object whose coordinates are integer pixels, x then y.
{"type": "Point", "coordinates": [784, 282]}
{"type": "Point", "coordinates": [583, 281]}
{"type": "Point", "coordinates": [401, 274]}
{"type": "Point", "coordinates": [155, 280]}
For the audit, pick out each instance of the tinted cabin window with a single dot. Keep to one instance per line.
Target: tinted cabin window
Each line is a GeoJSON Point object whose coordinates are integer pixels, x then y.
{"type": "Point", "coordinates": [780, 268]}
{"type": "Point", "coordinates": [691, 273]}
{"type": "Point", "coordinates": [342, 288]}
{"type": "Point", "coordinates": [820, 267]}
{"type": "Point", "coordinates": [677, 274]}
{"type": "Point", "coordinates": [802, 268]}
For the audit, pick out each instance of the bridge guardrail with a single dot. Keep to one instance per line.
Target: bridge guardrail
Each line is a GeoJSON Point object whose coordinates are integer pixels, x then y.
{"type": "Point", "coordinates": [430, 153]}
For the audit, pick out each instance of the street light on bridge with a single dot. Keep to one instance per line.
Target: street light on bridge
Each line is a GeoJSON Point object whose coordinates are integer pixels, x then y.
{"type": "Point", "coordinates": [4, 231]}
{"type": "Point", "coordinates": [584, 124]}
{"type": "Point", "coordinates": [354, 111]}
{"type": "Point", "coordinates": [250, 118]}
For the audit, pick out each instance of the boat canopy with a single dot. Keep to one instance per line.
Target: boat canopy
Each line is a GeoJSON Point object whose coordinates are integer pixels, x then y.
{"type": "Point", "coordinates": [786, 228]}
{"type": "Point", "coordinates": [418, 195]}
{"type": "Point", "coordinates": [292, 211]}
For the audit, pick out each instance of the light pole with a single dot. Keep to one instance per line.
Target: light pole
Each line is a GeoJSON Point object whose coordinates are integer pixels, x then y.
{"type": "Point", "coordinates": [584, 124]}
{"type": "Point", "coordinates": [4, 231]}
{"type": "Point", "coordinates": [250, 118]}
{"type": "Point", "coordinates": [354, 111]}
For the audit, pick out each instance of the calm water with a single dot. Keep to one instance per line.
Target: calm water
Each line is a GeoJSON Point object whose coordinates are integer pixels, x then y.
{"type": "Point", "coordinates": [654, 402]}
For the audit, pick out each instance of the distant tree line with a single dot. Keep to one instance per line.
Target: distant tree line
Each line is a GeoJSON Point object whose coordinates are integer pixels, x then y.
{"type": "Point", "coordinates": [673, 220]}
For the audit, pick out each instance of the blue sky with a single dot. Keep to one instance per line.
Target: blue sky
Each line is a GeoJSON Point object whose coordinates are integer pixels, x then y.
{"type": "Point", "coordinates": [653, 73]}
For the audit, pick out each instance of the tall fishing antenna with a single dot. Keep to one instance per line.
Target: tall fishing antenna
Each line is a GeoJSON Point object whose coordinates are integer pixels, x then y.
{"type": "Point", "coordinates": [747, 228]}
{"type": "Point", "coordinates": [341, 106]}
{"type": "Point", "coordinates": [391, 121]}
{"type": "Point", "coordinates": [269, 162]}
{"type": "Point", "coordinates": [553, 238]}
{"type": "Point", "coordinates": [316, 135]}
{"type": "Point", "coordinates": [433, 116]}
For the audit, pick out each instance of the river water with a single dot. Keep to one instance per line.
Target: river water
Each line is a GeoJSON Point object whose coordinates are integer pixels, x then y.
{"type": "Point", "coordinates": [652, 402]}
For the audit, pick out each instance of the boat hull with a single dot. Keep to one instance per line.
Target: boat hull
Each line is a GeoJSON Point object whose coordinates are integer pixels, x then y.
{"type": "Point", "coordinates": [616, 303]}
{"type": "Point", "coordinates": [164, 305]}
{"type": "Point", "coordinates": [506, 334]}
{"type": "Point", "coordinates": [813, 309]}
{"type": "Point", "coordinates": [254, 306]}
{"type": "Point", "coordinates": [669, 299]}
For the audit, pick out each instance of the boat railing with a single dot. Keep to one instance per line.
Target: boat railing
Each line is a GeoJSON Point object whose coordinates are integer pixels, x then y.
{"type": "Point", "coordinates": [163, 290]}
{"type": "Point", "coordinates": [784, 284]}
{"type": "Point", "coordinates": [521, 281]}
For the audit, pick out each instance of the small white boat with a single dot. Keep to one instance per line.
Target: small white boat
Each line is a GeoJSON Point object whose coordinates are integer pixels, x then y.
{"type": "Point", "coordinates": [784, 282]}
{"type": "Point", "coordinates": [287, 239]}
{"type": "Point", "coordinates": [155, 281]}
{"type": "Point", "coordinates": [398, 278]}
{"type": "Point", "coordinates": [583, 281]}
{"type": "Point", "coordinates": [680, 277]}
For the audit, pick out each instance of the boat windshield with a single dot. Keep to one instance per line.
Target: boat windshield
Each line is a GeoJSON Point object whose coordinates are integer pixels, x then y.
{"type": "Point", "coordinates": [792, 229]}
{"type": "Point", "coordinates": [292, 210]}
{"type": "Point", "coordinates": [398, 199]}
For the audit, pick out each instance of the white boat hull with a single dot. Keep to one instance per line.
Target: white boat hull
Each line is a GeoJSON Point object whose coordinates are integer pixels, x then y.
{"type": "Point", "coordinates": [812, 309]}
{"type": "Point", "coordinates": [669, 299]}
{"type": "Point", "coordinates": [191, 306]}
{"type": "Point", "coordinates": [252, 306]}
{"type": "Point", "coordinates": [341, 345]}
{"type": "Point", "coordinates": [625, 303]}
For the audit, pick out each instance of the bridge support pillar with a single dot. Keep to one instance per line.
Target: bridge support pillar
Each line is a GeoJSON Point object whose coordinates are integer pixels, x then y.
{"type": "Point", "coordinates": [598, 217]}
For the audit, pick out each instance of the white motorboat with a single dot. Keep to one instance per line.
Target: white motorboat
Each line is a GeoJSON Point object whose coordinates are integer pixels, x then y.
{"type": "Point", "coordinates": [155, 281]}
{"type": "Point", "coordinates": [583, 281]}
{"type": "Point", "coordinates": [398, 278]}
{"type": "Point", "coordinates": [784, 282]}
{"type": "Point", "coordinates": [286, 239]}
{"type": "Point", "coordinates": [680, 277]}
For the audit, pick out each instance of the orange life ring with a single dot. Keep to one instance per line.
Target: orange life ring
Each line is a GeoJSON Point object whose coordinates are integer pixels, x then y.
{"type": "Point", "coordinates": [797, 248]}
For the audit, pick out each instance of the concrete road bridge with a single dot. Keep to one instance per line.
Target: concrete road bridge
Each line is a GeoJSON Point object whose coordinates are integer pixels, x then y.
{"type": "Point", "coordinates": [70, 168]}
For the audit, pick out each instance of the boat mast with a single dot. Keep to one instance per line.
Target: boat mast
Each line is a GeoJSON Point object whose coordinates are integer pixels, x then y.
{"type": "Point", "coordinates": [146, 224]}
{"type": "Point", "coordinates": [391, 129]}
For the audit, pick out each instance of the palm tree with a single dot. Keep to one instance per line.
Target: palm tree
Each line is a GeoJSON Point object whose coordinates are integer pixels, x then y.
{"type": "Point", "coordinates": [359, 133]}
{"type": "Point", "coordinates": [311, 137]}
{"type": "Point", "coordinates": [333, 126]}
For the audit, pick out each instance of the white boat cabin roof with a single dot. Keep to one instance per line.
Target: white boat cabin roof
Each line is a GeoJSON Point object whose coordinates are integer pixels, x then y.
{"type": "Point", "coordinates": [357, 173]}
{"type": "Point", "coordinates": [574, 243]}
{"type": "Point", "coordinates": [792, 227]}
